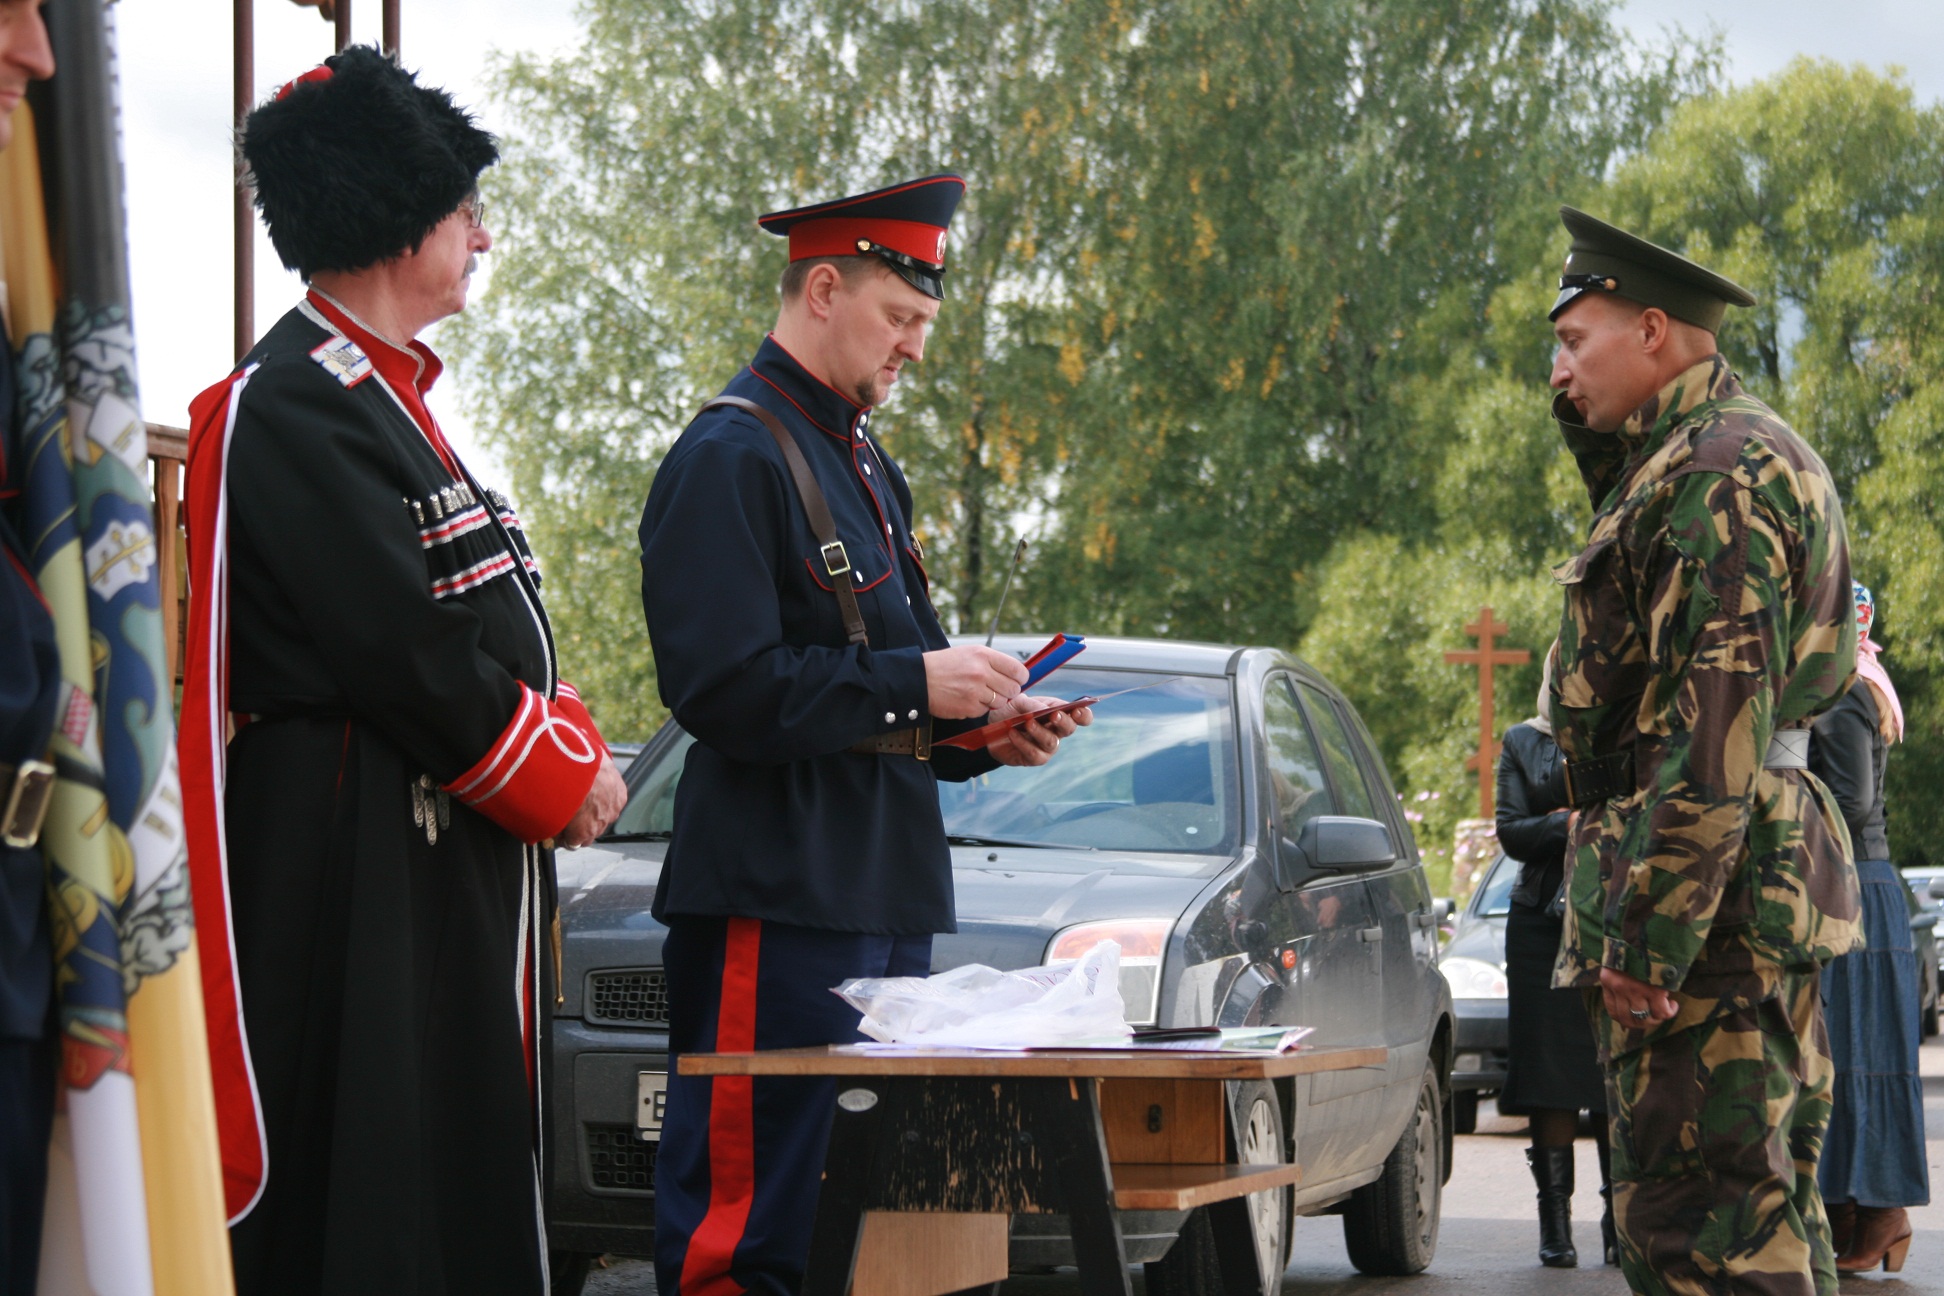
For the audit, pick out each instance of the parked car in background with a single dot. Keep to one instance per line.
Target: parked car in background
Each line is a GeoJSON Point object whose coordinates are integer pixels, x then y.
{"type": "Point", "coordinates": [1926, 896]}
{"type": "Point", "coordinates": [1473, 963]}
{"type": "Point", "coordinates": [1230, 825]}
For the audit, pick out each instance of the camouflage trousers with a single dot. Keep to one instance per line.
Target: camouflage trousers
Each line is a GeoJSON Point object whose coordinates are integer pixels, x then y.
{"type": "Point", "coordinates": [1716, 1129]}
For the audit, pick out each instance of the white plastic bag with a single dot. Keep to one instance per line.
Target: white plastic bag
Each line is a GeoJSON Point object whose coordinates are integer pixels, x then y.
{"type": "Point", "coordinates": [980, 1007]}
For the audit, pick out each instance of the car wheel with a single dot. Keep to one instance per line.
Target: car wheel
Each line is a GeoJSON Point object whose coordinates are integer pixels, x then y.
{"type": "Point", "coordinates": [1927, 1021]}
{"type": "Point", "coordinates": [1191, 1268]}
{"type": "Point", "coordinates": [1391, 1226]}
{"type": "Point", "coordinates": [569, 1270]}
{"type": "Point", "coordinates": [1464, 1112]}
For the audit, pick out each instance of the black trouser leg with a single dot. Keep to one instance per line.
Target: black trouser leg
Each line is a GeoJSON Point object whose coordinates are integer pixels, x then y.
{"type": "Point", "coordinates": [1609, 1238]}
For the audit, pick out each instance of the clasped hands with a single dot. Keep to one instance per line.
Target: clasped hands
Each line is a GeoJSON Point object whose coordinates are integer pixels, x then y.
{"type": "Point", "coordinates": [1633, 1002]}
{"type": "Point", "coordinates": [972, 680]}
{"type": "Point", "coordinates": [598, 811]}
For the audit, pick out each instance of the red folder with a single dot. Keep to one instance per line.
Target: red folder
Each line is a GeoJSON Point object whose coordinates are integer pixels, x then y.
{"type": "Point", "coordinates": [977, 739]}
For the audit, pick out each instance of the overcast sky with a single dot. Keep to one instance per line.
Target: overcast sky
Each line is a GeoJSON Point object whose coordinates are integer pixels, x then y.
{"type": "Point", "coordinates": [175, 78]}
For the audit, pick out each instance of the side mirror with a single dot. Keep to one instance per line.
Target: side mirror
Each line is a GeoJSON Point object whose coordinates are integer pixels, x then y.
{"type": "Point", "coordinates": [1442, 908]}
{"type": "Point", "coordinates": [1936, 887]}
{"type": "Point", "coordinates": [1335, 844]}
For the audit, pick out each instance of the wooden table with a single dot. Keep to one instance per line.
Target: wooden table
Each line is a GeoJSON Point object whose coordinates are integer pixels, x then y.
{"type": "Point", "coordinates": [932, 1153]}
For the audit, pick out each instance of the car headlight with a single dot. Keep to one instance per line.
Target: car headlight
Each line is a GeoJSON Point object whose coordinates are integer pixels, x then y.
{"type": "Point", "coordinates": [1142, 942]}
{"type": "Point", "coordinates": [1472, 978]}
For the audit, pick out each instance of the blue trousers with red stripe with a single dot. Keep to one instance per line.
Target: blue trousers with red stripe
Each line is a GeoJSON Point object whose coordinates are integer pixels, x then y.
{"type": "Point", "coordinates": [741, 1159]}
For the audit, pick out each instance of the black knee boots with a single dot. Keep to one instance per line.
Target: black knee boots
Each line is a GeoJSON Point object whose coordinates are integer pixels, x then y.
{"type": "Point", "coordinates": [1552, 1170]}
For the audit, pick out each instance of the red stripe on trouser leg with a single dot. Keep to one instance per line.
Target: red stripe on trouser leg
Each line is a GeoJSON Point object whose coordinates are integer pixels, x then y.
{"type": "Point", "coordinates": [732, 1125]}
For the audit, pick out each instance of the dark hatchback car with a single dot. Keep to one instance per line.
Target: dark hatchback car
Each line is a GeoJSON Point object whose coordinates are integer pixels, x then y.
{"type": "Point", "coordinates": [1231, 826]}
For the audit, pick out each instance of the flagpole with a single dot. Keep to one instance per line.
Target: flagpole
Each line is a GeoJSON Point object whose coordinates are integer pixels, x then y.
{"type": "Point", "coordinates": [243, 219]}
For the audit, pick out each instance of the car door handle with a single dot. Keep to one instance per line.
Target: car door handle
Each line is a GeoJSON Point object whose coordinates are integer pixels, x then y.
{"type": "Point", "coordinates": [1424, 921]}
{"type": "Point", "coordinates": [1370, 934]}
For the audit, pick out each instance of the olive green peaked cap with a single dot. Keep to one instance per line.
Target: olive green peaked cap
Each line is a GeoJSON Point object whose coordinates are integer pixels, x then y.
{"type": "Point", "coordinates": [1605, 258]}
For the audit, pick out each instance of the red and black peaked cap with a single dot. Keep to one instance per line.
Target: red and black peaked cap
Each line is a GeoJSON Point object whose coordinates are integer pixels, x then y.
{"type": "Point", "coordinates": [354, 162]}
{"type": "Point", "coordinates": [904, 225]}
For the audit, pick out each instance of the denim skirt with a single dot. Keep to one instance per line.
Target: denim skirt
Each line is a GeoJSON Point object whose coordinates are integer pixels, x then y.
{"type": "Point", "coordinates": [1874, 1152]}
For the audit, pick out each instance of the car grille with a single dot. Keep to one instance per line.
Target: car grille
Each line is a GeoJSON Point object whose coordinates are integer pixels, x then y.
{"type": "Point", "coordinates": [617, 1161]}
{"type": "Point", "coordinates": [628, 997]}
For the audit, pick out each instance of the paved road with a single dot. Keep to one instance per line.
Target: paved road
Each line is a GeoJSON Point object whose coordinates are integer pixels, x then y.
{"type": "Point", "coordinates": [1489, 1238]}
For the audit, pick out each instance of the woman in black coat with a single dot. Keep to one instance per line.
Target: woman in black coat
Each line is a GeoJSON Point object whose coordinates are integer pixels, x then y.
{"type": "Point", "coordinates": [1552, 1074]}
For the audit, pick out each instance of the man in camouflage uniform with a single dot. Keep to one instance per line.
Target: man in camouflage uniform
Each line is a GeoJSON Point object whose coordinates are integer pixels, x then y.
{"type": "Point", "coordinates": [1707, 620]}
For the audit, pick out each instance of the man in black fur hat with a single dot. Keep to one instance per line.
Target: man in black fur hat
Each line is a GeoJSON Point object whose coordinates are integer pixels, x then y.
{"type": "Point", "coordinates": [370, 850]}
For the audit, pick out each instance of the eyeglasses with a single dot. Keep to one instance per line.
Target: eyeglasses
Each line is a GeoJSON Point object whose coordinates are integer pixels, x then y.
{"type": "Point", "coordinates": [475, 209]}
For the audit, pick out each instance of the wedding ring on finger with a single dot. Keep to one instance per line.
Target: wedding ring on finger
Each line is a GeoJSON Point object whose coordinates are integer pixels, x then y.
{"type": "Point", "coordinates": [1638, 1014]}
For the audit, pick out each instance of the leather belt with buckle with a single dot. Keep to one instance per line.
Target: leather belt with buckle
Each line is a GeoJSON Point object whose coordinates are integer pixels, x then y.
{"type": "Point", "coordinates": [24, 794]}
{"type": "Point", "coordinates": [1600, 778]}
{"type": "Point", "coordinates": [905, 742]}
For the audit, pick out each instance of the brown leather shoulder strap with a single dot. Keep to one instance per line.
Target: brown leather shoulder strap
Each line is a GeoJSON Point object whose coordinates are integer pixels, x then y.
{"type": "Point", "coordinates": [836, 562]}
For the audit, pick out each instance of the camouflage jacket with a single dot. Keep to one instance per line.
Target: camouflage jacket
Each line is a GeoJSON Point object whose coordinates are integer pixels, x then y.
{"type": "Point", "coordinates": [1710, 607]}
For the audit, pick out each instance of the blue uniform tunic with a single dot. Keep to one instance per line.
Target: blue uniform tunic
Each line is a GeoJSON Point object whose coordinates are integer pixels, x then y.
{"type": "Point", "coordinates": [30, 681]}
{"type": "Point", "coordinates": [774, 817]}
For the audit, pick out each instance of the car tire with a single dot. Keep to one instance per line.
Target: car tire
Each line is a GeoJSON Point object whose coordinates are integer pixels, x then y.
{"type": "Point", "coordinates": [1927, 1020]}
{"type": "Point", "coordinates": [1390, 1227]}
{"type": "Point", "coordinates": [569, 1270]}
{"type": "Point", "coordinates": [1464, 1112]}
{"type": "Point", "coordinates": [1190, 1267]}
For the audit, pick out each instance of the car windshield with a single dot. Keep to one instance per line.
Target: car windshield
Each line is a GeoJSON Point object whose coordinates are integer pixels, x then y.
{"type": "Point", "coordinates": [1495, 897]}
{"type": "Point", "coordinates": [650, 811]}
{"type": "Point", "coordinates": [1155, 772]}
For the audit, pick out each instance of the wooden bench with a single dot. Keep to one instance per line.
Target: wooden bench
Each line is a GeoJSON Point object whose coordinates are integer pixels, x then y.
{"type": "Point", "coordinates": [932, 1152]}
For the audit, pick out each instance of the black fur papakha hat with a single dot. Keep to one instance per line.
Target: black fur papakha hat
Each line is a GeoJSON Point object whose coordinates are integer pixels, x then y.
{"type": "Point", "coordinates": [355, 162]}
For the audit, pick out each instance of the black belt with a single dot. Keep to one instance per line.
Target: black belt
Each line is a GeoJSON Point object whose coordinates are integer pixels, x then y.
{"type": "Point", "coordinates": [905, 742]}
{"type": "Point", "coordinates": [1600, 778]}
{"type": "Point", "coordinates": [24, 794]}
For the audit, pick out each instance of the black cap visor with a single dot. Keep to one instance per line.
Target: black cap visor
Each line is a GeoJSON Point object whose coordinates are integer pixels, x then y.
{"type": "Point", "coordinates": [927, 278]}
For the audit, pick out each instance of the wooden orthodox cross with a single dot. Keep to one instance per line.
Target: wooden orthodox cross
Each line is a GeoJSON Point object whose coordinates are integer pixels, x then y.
{"type": "Point", "coordinates": [1485, 760]}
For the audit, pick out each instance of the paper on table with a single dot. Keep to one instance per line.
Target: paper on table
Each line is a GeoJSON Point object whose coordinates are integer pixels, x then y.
{"type": "Point", "coordinates": [1262, 1041]}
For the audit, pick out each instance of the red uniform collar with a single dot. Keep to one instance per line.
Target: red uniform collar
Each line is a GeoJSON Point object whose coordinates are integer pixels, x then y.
{"type": "Point", "coordinates": [412, 367]}
{"type": "Point", "coordinates": [409, 370]}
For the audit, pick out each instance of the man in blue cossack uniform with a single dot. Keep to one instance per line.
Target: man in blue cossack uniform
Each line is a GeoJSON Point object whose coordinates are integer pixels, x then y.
{"type": "Point", "coordinates": [30, 690]}
{"type": "Point", "coordinates": [795, 638]}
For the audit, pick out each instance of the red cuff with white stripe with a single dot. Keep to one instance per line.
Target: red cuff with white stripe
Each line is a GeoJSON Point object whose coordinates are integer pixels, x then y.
{"type": "Point", "coordinates": [538, 771]}
{"type": "Point", "coordinates": [567, 701]}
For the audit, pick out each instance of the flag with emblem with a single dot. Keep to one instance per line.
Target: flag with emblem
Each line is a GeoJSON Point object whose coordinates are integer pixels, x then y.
{"type": "Point", "coordinates": [135, 1202]}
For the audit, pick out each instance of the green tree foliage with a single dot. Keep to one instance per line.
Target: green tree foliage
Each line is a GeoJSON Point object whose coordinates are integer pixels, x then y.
{"type": "Point", "coordinates": [1311, 206]}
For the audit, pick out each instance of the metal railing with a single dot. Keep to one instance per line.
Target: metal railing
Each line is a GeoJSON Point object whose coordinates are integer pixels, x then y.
{"type": "Point", "coordinates": [168, 450]}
